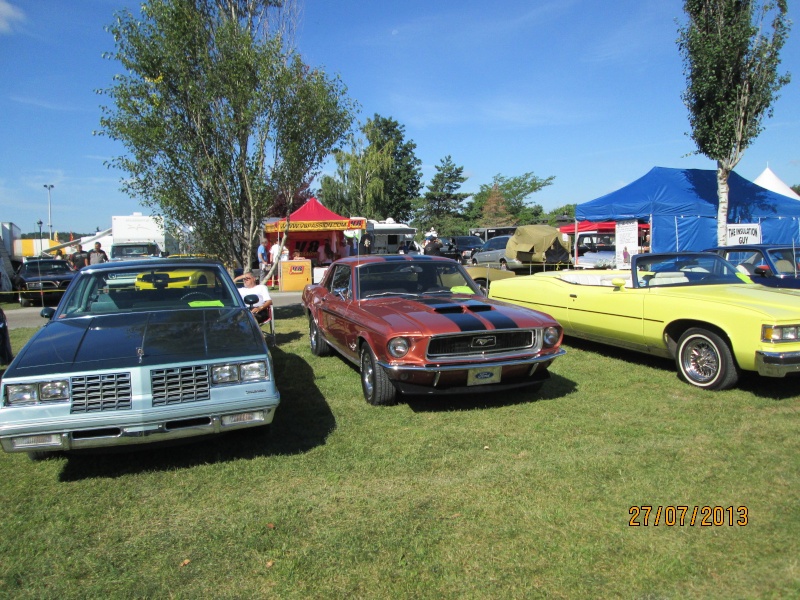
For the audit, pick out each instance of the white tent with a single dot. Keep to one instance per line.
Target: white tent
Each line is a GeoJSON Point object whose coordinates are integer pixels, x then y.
{"type": "Point", "coordinates": [773, 183]}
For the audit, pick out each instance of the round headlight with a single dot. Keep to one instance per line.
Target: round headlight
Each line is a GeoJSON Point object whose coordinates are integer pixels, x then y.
{"type": "Point", "coordinates": [551, 336]}
{"type": "Point", "coordinates": [398, 347]}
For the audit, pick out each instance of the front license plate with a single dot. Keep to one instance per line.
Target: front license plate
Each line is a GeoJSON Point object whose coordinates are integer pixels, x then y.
{"type": "Point", "coordinates": [484, 375]}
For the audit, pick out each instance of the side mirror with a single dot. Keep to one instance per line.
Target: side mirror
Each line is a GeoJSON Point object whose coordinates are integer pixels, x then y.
{"type": "Point", "coordinates": [618, 283]}
{"type": "Point", "coordinates": [250, 300]}
{"type": "Point", "coordinates": [47, 312]}
{"type": "Point", "coordinates": [763, 270]}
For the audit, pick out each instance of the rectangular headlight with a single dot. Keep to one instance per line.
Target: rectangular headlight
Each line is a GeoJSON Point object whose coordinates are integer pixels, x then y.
{"type": "Point", "coordinates": [54, 391]}
{"type": "Point", "coordinates": [778, 333]}
{"type": "Point", "coordinates": [22, 394]}
{"type": "Point", "coordinates": [225, 373]}
{"type": "Point", "coordinates": [254, 371]}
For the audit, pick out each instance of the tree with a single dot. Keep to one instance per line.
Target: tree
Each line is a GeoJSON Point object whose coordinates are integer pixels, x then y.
{"type": "Point", "coordinates": [358, 187]}
{"type": "Point", "coordinates": [495, 210]}
{"type": "Point", "coordinates": [731, 66]}
{"type": "Point", "coordinates": [403, 180]}
{"type": "Point", "coordinates": [218, 117]}
{"type": "Point", "coordinates": [796, 189]}
{"type": "Point", "coordinates": [515, 190]}
{"type": "Point", "coordinates": [440, 208]}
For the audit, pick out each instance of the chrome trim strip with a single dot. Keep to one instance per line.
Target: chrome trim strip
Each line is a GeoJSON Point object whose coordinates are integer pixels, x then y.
{"type": "Point", "coordinates": [463, 367]}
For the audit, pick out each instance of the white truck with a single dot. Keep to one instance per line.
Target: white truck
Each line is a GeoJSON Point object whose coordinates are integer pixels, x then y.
{"type": "Point", "coordinates": [140, 236]}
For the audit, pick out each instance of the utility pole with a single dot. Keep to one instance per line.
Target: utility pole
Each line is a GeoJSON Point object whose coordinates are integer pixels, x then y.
{"type": "Point", "coordinates": [49, 187]}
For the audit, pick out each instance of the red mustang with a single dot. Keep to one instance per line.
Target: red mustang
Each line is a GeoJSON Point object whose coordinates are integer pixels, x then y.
{"type": "Point", "coordinates": [420, 325]}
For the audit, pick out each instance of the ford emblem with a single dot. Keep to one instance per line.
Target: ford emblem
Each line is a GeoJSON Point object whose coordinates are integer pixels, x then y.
{"type": "Point", "coordinates": [484, 375]}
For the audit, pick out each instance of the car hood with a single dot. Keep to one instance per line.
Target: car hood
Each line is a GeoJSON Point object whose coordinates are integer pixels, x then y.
{"type": "Point", "coordinates": [123, 341]}
{"type": "Point", "coordinates": [436, 314]}
{"type": "Point", "coordinates": [775, 303]}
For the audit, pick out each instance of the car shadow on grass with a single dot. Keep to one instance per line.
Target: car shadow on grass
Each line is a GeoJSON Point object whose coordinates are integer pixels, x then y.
{"type": "Point", "coordinates": [775, 388]}
{"type": "Point", "coordinates": [303, 421]}
{"type": "Point", "coordinates": [553, 388]}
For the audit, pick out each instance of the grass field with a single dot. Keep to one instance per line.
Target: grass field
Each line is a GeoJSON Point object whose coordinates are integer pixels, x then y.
{"type": "Point", "coordinates": [507, 496]}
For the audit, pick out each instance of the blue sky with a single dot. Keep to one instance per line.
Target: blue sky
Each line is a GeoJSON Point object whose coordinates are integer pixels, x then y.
{"type": "Point", "coordinates": [585, 91]}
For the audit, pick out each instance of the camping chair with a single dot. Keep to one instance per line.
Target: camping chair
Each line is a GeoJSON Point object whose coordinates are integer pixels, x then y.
{"type": "Point", "coordinates": [268, 326]}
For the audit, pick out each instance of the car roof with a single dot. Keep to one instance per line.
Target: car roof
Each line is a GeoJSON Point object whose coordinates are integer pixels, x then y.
{"type": "Point", "coordinates": [156, 263]}
{"type": "Point", "coordinates": [367, 259]}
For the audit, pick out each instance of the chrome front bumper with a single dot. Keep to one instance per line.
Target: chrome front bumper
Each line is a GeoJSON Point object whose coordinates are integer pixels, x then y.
{"type": "Point", "coordinates": [777, 364]}
{"type": "Point", "coordinates": [130, 435]}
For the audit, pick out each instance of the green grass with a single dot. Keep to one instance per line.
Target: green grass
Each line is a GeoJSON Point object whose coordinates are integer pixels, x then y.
{"type": "Point", "coordinates": [506, 496]}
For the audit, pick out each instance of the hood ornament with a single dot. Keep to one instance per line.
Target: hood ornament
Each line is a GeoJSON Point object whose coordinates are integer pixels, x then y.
{"type": "Point", "coordinates": [140, 354]}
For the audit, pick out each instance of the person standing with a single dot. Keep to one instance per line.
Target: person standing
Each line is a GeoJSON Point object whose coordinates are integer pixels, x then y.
{"type": "Point", "coordinates": [434, 247]}
{"type": "Point", "coordinates": [263, 257]}
{"type": "Point", "coordinates": [79, 258]}
{"type": "Point", "coordinates": [324, 254]}
{"type": "Point", "coordinates": [98, 255]}
{"type": "Point", "coordinates": [344, 249]}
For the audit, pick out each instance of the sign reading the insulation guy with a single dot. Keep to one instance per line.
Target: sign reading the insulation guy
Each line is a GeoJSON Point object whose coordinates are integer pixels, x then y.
{"type": "Point", "coordinates": [744, 234]}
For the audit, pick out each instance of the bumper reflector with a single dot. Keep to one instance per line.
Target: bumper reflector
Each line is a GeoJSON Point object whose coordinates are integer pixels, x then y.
{"type": "Point", "coordinates": [247, 417]}
{"type": "Point", "coordinates": [52, 440]}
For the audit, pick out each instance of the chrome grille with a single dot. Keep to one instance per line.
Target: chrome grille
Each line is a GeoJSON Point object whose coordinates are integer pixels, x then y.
{"type": "Point", "coordinates": [482, 342]}
{"type": "Point", "coordinates": [95, 393]}
{"type": "Point", "coordinates": [180, 384]}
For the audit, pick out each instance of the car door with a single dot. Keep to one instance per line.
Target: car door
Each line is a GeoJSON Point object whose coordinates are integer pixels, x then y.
{"type": "Point", "coordinates": [335, 307]}
{"type": "Point", "coordinates": [607, 314]}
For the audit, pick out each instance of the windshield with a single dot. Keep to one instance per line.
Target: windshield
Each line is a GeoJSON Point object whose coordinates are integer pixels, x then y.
{"type": "Point", "coordinates": [147, 289]}
{"type": "Point", "coordinates": [685, 269]}
{"type": "Point", "coordinates": [45, 267]}
{"type": "Point", "coordinates": [413, 278]}
{"type": "Point", "coordinates": [470, 241]}
{"type": "Point", "coordinates": [137, 250]}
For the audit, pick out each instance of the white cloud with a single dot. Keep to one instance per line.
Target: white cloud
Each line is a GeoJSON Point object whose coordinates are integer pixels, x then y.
{"type": "Point", "coordinates": [9, 14]}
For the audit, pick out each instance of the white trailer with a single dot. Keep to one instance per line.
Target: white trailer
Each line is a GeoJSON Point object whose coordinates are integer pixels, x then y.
{"type": "Point", "coordinates": [388, 236]}
{"type": "Point", "coordinates": [137, 236]}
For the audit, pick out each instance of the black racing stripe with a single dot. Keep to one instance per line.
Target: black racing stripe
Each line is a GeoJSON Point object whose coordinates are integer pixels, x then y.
{"type": "Point", "coordinates": [464, 321]}
{"type": "Point", "coordinates": [499, 320]}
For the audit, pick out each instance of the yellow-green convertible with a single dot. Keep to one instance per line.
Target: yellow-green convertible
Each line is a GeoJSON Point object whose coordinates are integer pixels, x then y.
{"type": "Point", "coordinates": [692, 307]}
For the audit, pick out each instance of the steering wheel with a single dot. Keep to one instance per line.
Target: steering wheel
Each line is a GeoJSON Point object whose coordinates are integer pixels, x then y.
{"type": "Point", "coordinates": [195, 296]}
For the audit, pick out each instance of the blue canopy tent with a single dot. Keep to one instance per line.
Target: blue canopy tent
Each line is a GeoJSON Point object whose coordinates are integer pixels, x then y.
{"type": "Point", "coordinates": [681, 207]}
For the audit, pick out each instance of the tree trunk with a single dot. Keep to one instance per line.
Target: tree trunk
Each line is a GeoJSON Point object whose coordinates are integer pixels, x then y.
{"type": "Point", "coordinates": [722, 197]}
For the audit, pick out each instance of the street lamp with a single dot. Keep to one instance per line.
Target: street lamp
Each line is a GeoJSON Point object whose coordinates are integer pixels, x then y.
{"type": "Point", "coordinates": [39, 264]}
{"type": "Point", "coordinates": [49, 187]}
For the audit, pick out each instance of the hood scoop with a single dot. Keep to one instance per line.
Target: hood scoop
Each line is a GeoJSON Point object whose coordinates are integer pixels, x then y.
{"type": "Point", "coordinates": [445, 307]}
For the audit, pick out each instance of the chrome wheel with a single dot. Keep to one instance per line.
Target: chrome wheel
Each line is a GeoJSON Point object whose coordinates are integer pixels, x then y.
{"type": "Point", "coordinates": [705, 360]}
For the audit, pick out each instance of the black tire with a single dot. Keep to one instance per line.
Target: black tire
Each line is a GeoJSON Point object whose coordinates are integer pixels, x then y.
{"type": "Point", "coordinates": [25, 303]}
{"type": "Point", "coordinates": [705, 360]}
{"type": "Point", "coordinates": [474, 263]}
{"type": "Point", "coordinates": [195, 296]}
{"type": "Point", "coordinates": [319, 347]}
{"type": "Point", "coordinates": [375, 384]}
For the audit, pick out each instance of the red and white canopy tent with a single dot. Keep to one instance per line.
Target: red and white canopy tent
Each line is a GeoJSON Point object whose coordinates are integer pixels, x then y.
{"type": "Point", "coordinates": [310, 226]}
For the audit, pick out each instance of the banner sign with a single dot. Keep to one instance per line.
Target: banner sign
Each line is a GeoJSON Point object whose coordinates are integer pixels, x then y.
{"type": "Point", "coordinates": [341, 225]}
{"type": "Point", "coordinates": [748, 233]}
{"type": "Point", "coordinates": [626, 241]}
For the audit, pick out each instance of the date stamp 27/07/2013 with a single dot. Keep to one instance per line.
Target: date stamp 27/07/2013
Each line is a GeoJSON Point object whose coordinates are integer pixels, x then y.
{"type": "Point", "coordinates": [681, 516]}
